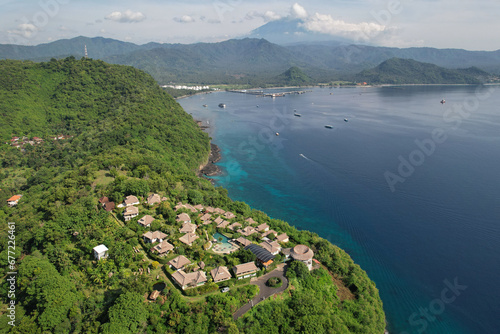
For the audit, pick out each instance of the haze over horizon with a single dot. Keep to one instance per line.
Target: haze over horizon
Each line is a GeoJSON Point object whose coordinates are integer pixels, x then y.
{"type": "Point", "coordinates": [394, 23]}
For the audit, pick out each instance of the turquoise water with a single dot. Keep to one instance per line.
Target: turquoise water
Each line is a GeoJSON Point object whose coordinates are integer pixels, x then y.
{"type": "Point", "coordinates": [438, 228]}
{"type": "Point", "coordinates": [225, 240]}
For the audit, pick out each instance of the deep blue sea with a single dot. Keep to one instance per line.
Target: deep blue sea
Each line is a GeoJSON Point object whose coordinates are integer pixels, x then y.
{"type": "Point", "coordinates": [408, 186]}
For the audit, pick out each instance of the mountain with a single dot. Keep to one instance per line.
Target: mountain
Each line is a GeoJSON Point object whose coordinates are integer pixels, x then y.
{"type": "Point", "coordinates": [293, 77]}
{"type": "Point", "coordinates": [409, 71]}
{"type": "Point", "coordinates": [291, 31]}
{"type": "Point", "coordinates": [249, 61]}
{"type": "Point", "coordinates": [80, 133]}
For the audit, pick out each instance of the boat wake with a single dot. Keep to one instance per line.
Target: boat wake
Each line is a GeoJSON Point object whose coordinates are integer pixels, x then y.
{"type": "Point", "coordinates": [303, 156]}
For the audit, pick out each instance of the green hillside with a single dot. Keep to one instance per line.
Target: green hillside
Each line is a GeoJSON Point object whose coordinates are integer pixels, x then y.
{"type": "Point", "coordinates": [74, 131]}
{"type": "Point", "coordinates": [293, 77]}
{"type": "Point", "coordinates": [409, 71]}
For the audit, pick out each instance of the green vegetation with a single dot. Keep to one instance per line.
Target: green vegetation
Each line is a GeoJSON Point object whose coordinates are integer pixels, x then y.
{"type": "Point", "coordinates": [274, 282]}
{"type": "Point", "coordinates": [124, 136]}
{"type": "Point", "coordinates": [293, 77]}
{"type": "Point", "coordinates": [408, 71]}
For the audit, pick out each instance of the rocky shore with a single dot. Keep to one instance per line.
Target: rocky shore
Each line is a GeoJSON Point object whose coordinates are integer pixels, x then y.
{"type": "Point", "coordinates": [210, 169]}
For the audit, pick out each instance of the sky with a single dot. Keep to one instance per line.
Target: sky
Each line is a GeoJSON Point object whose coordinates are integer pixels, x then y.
{"type": "Point", "coordinates": [463, 24]}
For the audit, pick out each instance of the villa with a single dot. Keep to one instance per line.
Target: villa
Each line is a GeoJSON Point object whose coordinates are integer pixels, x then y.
{"type": "Point", "coordinates": [219, 211]}
{"type": "Point", "coordinates": [189, 280]}
{"type": "Point", "coordinates": [303, 254]}
{"type": "Point", "coordinates": [152, 237]}
{"type": "Point", "coordinates": [247, 231]}
{"type": "Point", "coordinates": [130, 212]}
{"type": "Point", "coordinates": [188, 228]}
{"type": "Point", "coordinates": [229, 215]}
{"type": "Point", "coordinates": [205, 217]}
{"type": "Point", "coordinates": [130, 200]}
{"type": "Point", "coordinates": [153, 199]}
{"type": "Point", "coordinates": [243, 241]}
{"type": "Point", "coordinates": [146, 221]}
{"type": "Point", "coordinates": [234, 226]}
{"type": "Point", "coordinates": [209, 209]}
{"type": "Point", "coordinates": [100, 252]}
{"type": "Point", "coordinates": [198, 207]}
{"type": "Point", "coordinates": [263, 227]}
{"type": "Point", "coordinates": [265, 234]}
{"type": "Point", "coordinates": [272, 246]}
{"type": "Point", "coordinates": [251, 221]}
{"type": "Point", "coordinates": [183, 217]}
{"type": "Point", "coordinates": [218, 220]}
{"type": "Point", "coordinates": [223, 224]}
{"type": "Point", "coordinates": [245, 270]}
{"type": "Point", "coordinates": [220, 274]}
{"type": "Point", "coordinates": [282, 238]}
{"type": "Point", "coordinates": [14, 200]}
{"type": "Point", "coordinates": [188, 238]}
{"type": "Point", "coordinates": [179, 262]}
{"type": "Point", "coordinates": [163, 248]}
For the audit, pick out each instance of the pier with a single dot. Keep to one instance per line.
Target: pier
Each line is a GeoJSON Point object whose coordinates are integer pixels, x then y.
{"type": "Point", "coordinates": [264, 94]}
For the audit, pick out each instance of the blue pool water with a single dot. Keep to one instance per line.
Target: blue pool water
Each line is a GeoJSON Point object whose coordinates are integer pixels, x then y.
{"type": "Point", "coordinates": [409, 187]}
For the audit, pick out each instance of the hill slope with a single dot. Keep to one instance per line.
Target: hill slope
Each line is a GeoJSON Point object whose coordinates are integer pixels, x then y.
{"type": "Point", "coordinates": [409, 71]}
{"type": "Point", "coordinates": [124, 136]}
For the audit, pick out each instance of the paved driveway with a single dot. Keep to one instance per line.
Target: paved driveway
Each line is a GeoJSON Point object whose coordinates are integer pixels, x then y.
{"type": "Point", "coordinates": [265, 291]}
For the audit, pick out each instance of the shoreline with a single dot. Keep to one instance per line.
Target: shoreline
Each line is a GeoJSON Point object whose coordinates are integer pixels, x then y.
{"type": "Point", "coordinates": [210, 168]}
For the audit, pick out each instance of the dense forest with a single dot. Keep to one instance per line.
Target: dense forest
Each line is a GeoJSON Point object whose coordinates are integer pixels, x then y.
{"type": "Point", "coordinates": [73, 131]}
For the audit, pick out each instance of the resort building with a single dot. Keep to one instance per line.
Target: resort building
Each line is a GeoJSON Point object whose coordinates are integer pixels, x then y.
{"type": "Point", "coordinates": [163, 248]}
{"type": "Point", "coordinates": [109, 206]}
{"type": "Point", "coordinates": [154, 295]}
{"type": "Point", "coordinates": [218, 220]}
{"type": "Point", "coordinates": [247, 231]}
{"type": "Point", "coordinates": [263, 227]}
{"type": "Point", "coordinates": [245, 270]}
{"type": "Point", "coordinates": [199, 207]}
{"type": "Point", "coordinates": [220, 274]}
{"type": "Point", "coordinates": [243, 241]}
{"type": "Point", "coordinates": [272, 246]}
{"type": "Point", "coordinates": [184, 218]}
{"type": "Point", "coordinates": [234, 226]}
{"type": "Point", "coordinates": [152, 237]}
{"type": "Point", "coordinates": [282, 238]}
{"type": "Point", "coordinates": [264, 256]}
{"type": "Point", "coordinates": [189, 280]}
{"type": "Point", "coordinates": [130, 212]}
{"type": "Point", "coordinates": [188, 228]}
{"type": "Point", "coordinates": [188, 238]}
{"type": "Point", "coordinates": [251, 221]}
{"type": "Point", "coordinates": [100, 252]}
{"type": "Point", "coordinates": [205, 217]}
{"type": "Point", "coordinates": [14, 200]}
{"type": "Point", "coordinates": [265, 234]}
{"type": "Point", "coordinates": [229, 215]}
{"type": "Point", "coordinates": [130, 200]}
{"type": "Point", "coordinates": [153, 199]}
{"type": "Point", "coordinates": [219, 211]}
{"type": "Point", "coordinates": [179, 262]}
{"type": "Point", "coordinates": [223, 224]}
{"type": "Point", "coordinates": [303, 254]}
{"type": "Point", "coordinates": [146, 221]}
{"type": "Point", "coordinates": [209, 209]}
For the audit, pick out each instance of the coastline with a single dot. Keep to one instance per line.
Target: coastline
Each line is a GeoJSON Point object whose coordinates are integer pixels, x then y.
{"type": "Point", "coordinates": [210, 169]}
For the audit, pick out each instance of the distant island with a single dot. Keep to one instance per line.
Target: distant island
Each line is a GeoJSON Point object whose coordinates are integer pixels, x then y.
{"type": "Point", "coordinates": [115, 232]}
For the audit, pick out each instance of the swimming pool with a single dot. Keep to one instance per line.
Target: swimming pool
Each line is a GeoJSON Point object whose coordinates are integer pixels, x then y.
{"type": "Point", "coordinates": [223, 245]}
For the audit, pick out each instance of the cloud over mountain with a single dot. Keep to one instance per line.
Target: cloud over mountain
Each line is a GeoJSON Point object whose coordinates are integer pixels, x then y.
{"type": "Point", "coordinates": [127, 16]}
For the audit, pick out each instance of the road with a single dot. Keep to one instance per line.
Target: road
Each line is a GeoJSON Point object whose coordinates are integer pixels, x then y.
{"type": "Point", "coordinates": [265, 291]}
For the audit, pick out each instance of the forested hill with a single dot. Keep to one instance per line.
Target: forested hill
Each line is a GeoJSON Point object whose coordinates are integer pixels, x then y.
{"type": "Point", "coordinates": [79, 133]}
{"type": "Point", "coordinates": [409, 71]}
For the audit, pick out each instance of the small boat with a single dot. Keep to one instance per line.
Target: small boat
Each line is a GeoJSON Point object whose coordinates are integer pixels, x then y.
{"type": "Point", "coordinates": [443, 101]}
{"type": "Point", "coordinates": [205, 105]}
{"type": "Point", "coordinates": [329, 126]}
{"type": "Point", "coordinates": [222, 105]}
{"type": "Point", "coordinates": [346, 120]}
{"type": "Point", "coordinates": [277, 133]}
{"type": "Point", "coordinates": [298, 115]}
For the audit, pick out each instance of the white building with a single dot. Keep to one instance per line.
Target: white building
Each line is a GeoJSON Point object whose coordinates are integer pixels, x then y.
{"type": "Point", "coordinates": [100, 252]}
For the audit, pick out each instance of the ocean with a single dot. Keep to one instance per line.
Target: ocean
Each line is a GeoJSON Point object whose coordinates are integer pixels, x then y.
{"type": "Point", "coordinates": [407, 185]}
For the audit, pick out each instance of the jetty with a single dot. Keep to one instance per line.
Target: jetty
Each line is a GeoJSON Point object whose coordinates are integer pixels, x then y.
{"type": "Point", "coordinates": [264, 94]}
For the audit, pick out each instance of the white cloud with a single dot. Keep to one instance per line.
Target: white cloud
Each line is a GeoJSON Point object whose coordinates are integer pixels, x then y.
{"type": "Point", "coordinates": [298, 11]}
{"type": "Point", "coordinates": [326, 24]}
{"type": "Point", "coordinates": [267, 16]}
{"type": "Point", "coordinates": [184, 19]}
{"type": "Point", "coordinates": [25, 29]}
{"type": "Point", "coordinates": [127, 16]}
